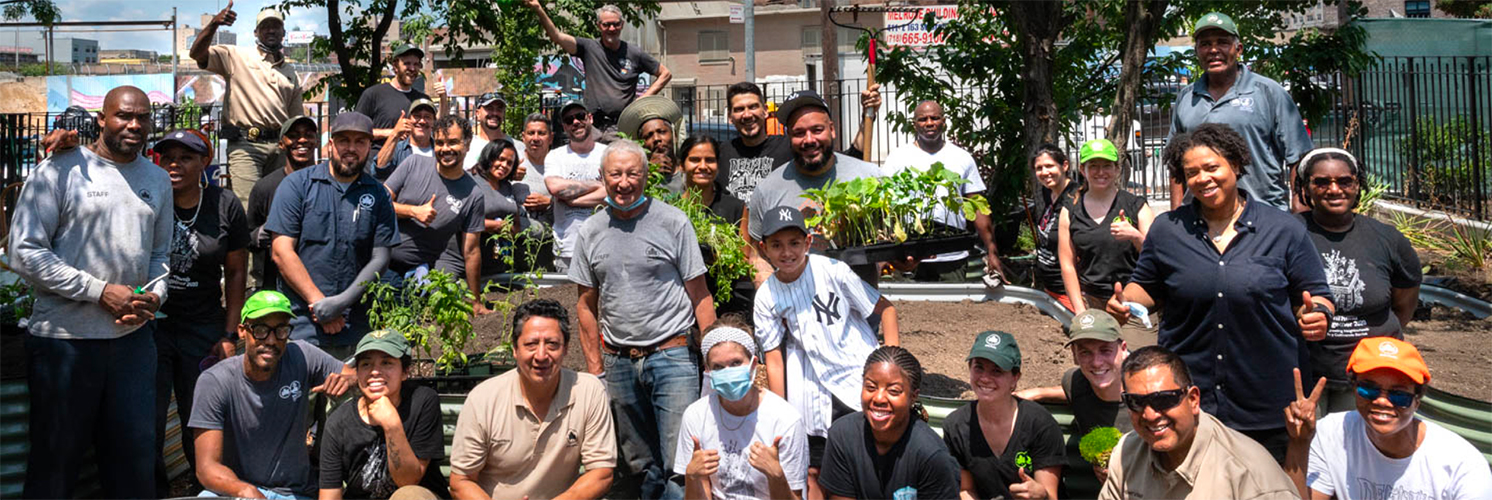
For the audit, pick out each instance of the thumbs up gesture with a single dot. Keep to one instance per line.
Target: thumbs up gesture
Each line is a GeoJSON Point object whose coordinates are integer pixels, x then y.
{"type": "Point", "coordinates": [404, 126]}
{"type": "Point", "coordinates": [1123, 229]}
{"type": "Point", "coordinates": [1300, 416]}
{"type": "Point", "coordinates": [424, 213]}
{"type": "Point", "coordinates": [704, 463]}
{"type": "Point", "coordinates": [1313, 324]}
{"type": "Point", "coordinates": [1027, 487]}
{"type": "Point", "coordinates": [1116, 306]}
{"type": "Point", "coordinates": [226, 16]}
{"type": "Point", "coordinates": [765, 458]}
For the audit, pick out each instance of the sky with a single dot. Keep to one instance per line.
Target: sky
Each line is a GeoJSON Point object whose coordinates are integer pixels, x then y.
{"type": "Point", "coordinates": [188, 14]}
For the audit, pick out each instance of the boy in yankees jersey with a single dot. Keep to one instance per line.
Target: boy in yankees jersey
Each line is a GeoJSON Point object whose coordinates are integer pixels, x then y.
{"type": "Point", "coordinates": [811, 318]}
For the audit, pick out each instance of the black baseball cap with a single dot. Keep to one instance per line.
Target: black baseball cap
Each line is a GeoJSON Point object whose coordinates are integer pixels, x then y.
{"type": "Point", "coordinates": [491, 97]}
{"type": "Point", "coordinates": [799, 100]}
{"type": "Point", "coordinates": [780, 218]}
{"type": "Point", "coordinates": [559, 113]}
{"type": "Point", "coordinates": [352, 121]}
{"type": "Point", "coordinates": [191, 140]}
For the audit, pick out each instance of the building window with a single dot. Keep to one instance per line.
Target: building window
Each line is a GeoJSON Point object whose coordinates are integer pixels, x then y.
{"type": "Point", "coordinates": [1416, 8]}
{"type": "Point", "coordinates": [812, 39]}
{"type": "Point", "coordinates": [714, 46]}
{"type": "Point", "coordinates": [811, 44]}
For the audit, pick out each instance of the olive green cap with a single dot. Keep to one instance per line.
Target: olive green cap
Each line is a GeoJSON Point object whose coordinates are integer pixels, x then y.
{"type": "Point", "coordinates": [998, 347]}
{"type": "Point", "coordinates": [1216, 20]}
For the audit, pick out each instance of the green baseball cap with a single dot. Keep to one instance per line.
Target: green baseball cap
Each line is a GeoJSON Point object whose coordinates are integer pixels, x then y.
{"type": "Point", "coordinates": [1217, 20]}
{"type": "Point", "coordinates": [265, 303]}
{"type": "Point", "coordinates": [289, 124]}
{"type": "Point", "coordinates": [401, 47]}
{"type": "Point", "coordinates": [390, 342]}
{"type": "Point", "coordinates": [998, 347]}
{"type": "Point", "coordinates": [1092, 324]}
{"type": "Point", "coordinates": [422, 103]}
{"type": "Point", "coordinates": [1098, 148]}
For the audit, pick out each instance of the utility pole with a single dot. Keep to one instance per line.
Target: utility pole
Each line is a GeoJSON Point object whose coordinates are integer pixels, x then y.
{"type": "Point", "coordinates": [748, 11]}
{"type": "Point", "coordinates": [174, 56]}
{"type": "Point", "coordinates": [829, 43]}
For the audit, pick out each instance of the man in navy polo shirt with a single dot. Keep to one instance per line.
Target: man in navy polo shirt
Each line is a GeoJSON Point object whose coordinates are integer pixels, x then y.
{"type": "Point", "coordinates": [333, 229]}
{"type": "Point", "coordinates": [1253, 105]}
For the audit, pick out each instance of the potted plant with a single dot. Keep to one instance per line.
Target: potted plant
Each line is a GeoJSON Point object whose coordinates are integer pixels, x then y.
{"type": "Point", "coordinates": [1098, 445]}
{"type": "Point", "coordinates": [15, 310]}
{"type": "Point", "coordinates": [879, 219]}
{"type": "Point", "coordinates": [435, 314]}
{"type": "Point", "coordinates": [720, 241]}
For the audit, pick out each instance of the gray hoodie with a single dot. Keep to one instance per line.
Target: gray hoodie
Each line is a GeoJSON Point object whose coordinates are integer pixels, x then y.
{"type": "Point", "coordinates": [83, 221]}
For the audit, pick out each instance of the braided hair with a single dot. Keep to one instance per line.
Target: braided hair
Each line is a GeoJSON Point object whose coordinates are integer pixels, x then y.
{"type": "Point", "coordinates": [911, 370]}
{"type": "Point", "coordinates": [1308, 165]}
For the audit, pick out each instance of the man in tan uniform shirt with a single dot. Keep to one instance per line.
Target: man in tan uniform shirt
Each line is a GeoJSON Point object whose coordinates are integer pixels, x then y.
{"type": "Point", "coordinates": [1178, 451]}
{"type": "Point", "coordinates": [262, 93]}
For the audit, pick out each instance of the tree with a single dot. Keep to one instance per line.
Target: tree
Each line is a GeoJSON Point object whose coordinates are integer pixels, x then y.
{"type": "Point", "coordinates": [1013, 74]}
{"type": "Point", "coordinates": [43, 11]}
{"type": "Point", "coordinates": [1478, 9]}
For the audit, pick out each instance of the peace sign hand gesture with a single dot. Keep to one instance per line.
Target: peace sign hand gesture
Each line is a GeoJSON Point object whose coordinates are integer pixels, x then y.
{"type": "Point", "coordinates": [1300, 416]}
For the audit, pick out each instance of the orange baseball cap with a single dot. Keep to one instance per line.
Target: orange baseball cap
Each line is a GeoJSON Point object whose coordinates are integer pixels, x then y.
{"type": "Point", "coordinates": [1387, 352]}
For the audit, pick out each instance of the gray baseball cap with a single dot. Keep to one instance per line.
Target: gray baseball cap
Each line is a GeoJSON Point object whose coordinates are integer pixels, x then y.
{"type": "Point", "coordinates": [352, 121]}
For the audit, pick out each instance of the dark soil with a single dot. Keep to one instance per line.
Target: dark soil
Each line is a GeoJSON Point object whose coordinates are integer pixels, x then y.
{"type": "Point", "coordinates": [1453, 344]}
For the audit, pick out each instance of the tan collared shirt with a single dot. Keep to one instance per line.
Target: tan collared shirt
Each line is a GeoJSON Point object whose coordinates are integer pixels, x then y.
{"type": "Point", "coordinates": [260, 93]}
{"type": "Point", "coordinates": [1221, 464]}
{"type": "Point", "coordinates": [511, 452]}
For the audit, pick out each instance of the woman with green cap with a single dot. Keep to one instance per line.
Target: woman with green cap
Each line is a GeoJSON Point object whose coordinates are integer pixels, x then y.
{"type": "Point", "coordinates": [1100, 234]}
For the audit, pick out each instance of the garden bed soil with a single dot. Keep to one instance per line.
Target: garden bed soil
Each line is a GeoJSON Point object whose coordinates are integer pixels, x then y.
{"type": "Point", "coordinates": [940, 333]}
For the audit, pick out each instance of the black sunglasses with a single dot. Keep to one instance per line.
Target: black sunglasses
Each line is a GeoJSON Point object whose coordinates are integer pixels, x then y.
{"type": "Point", "coordinates": [1159, 400]}
{"type": "Point", "coordinates": [261, 331]}
{"type": "Point", "coordinates": [1370, 392]}
{"type": "Point", "coordinates": [1325, 182]}
{"type": "Point", "coordinates": [573, 118]}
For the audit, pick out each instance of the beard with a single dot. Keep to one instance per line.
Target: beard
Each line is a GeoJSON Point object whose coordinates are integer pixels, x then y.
{"type": "Point", "coordinates": [812, 166]}
{"type": "Point", "coordinates": [115, 144]}
{"type": "Point", "coordinates": [349, 169]}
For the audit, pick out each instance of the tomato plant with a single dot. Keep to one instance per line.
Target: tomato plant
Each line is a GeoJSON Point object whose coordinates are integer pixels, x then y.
{"type": "Point", "coordinates": [437, 308]}
{"type": "Point", "coordinates": [896, 208]}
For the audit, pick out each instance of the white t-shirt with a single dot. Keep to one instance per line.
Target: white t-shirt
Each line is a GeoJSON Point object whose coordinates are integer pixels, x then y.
{"type": "Point", "coordinates": [1344, 463]}
{"type": "Point", "coordinates": [474, 152]}
{"type": "Point", "coordinates": [826, 339]}
{"type": "Point", "coordinates": [565, 163]}
{"type": "Point", "coordinates": [732, 436]}
{"type": "Point", "coordinates": [954, 159]}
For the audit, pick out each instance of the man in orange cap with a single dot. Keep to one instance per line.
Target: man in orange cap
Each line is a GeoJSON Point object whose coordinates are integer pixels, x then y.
{"type": "Point", "coordinates": [1381, 450]}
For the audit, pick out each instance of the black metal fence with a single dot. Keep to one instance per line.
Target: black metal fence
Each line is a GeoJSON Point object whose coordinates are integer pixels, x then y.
{"type": "Point", "coordinates": [1420, 125]}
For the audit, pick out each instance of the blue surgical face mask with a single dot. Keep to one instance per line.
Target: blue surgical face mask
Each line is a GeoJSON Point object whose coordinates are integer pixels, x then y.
{"type": "Point", "coordinates": [732, 383]}
{"type": "Point", "coordinates": [612, 203]}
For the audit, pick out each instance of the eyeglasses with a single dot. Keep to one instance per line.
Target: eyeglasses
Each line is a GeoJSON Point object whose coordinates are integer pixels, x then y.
{"type": "Point", "coordinates": [1341, 182]}
{"type": "Point", "coordinates": [261, 331]}
{"type": "Point", "coordinates": [1370, 392]}
{"type": "Point", "coordinates": [1159, 400]}
{"type": "Point", "coordinates": [611, 24]}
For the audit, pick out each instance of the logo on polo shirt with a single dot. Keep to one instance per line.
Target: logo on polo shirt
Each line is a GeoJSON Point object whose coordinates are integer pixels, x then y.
{"type": "Point", "coordinates": [291, 391]}
{"type": "Point", "coordinates": [572, 440]}
{"type": "Point", "coordinates": [145, 195]}
{"type": "Point", "coordinates": [1388, 349]}
{"type": "Point", "coordinates": [365, 202]}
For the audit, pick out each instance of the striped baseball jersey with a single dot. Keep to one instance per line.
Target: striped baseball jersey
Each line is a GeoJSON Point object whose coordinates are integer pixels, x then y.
{"type": "Point", "coordinates": [819, 321]}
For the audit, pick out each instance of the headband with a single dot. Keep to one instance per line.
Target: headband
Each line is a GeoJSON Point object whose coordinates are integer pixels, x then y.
{"type": "Point", "coordinates": [728, 334]}
{"type": "Point", "coordinates": [1306, 160]}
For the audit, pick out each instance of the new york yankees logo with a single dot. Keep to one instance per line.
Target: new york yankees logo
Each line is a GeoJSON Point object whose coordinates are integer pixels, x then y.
{"type": "Point", "coordinates": [826, 313]}
{"type": "Point", "coordinates": [784, 215]}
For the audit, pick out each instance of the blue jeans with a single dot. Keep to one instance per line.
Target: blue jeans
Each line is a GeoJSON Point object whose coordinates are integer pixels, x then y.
{"type": "Point", "coordinates": [269, 494]}
{"type": "Point", "coordinates": [648, 398]}
{"type": "Point", "coordinates": [98, 393]}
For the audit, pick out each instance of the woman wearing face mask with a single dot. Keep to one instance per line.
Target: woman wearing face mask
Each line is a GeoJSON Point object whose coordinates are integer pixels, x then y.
{"type": "Point", "coordinates": [1373, 271]}
{"type": "Point", "coordinates": [1058, 191]}
{"type": "Point", "coordinates": [1099, 234]}
{"type": "Point", "coordinates": [888, 450]}
{"type": "Point", "coordinates": [742, 441]}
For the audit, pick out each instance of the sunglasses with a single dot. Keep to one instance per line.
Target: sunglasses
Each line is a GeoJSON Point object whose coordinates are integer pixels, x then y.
{"type": "Point", "coordinates": [1370, 392]}
{"type": "Point", "coordinates": [261, 331]}
{"type": "Point", "coordinates": [573, 118]}
{"type": "Point", "coordinates": [1342, 182]}
{"type": "Point", "coordinates": [1159, 400]}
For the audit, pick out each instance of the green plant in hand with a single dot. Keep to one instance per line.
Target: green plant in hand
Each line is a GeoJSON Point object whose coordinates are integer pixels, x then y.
{"type": "Point", "coordinates": [438, 309]}
{"type": "Point", "coordinates": [872, 210]}
{"type": "Point", "coordinates": [1098, 445]}
{"type": "Point", "coordinates": [726, 261]}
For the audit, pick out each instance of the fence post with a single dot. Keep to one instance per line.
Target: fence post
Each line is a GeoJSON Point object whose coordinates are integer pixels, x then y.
{"type": "Point", "coordinates": [1414, 157]}
{"type": "Point", "coordinates": [1477, 175]}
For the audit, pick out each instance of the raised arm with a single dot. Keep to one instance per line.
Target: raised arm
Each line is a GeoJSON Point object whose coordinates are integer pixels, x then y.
{"type": "Point", "coordinates": [564, 40]}
{"type": "Point", "coordinates": [200, 47]}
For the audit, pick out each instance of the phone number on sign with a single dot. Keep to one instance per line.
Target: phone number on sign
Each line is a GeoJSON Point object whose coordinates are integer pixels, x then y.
{"type": "Point", "coordinates": [914, 38]}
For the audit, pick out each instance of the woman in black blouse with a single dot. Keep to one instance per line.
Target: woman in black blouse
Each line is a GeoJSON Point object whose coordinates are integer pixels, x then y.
{"type": "Point", "coordinates": [1058, 190]}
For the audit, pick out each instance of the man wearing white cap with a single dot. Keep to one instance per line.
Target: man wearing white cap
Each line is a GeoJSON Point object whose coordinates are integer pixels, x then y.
{"type": "Point", "coordinates": [262, 94]}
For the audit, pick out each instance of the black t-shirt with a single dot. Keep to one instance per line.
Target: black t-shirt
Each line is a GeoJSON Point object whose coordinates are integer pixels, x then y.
{"type": "Point", "coordinates": [726, 206]}
{"type": "Point", "coordinates": [1035, 439]}
{"type": "Point", "coordinates": [198, 252]}
{"type": "Point", "coordinates": [1089, 412]}
{"type": "Point", "coordinates": [354, 455]}
{"type": "Point", "coordinates": [1102, 260]}
{"type": "Point", "coordinates": [1363, 266]}
{"type": "Point", "coordinates": [1047, 216]}
{"type": "Point", "coordinates": [611, 75]}
{"type": "Point", "coordinates": [265, 273]}
{"type": "Point", "coordinates": [919, 463]}
{"type": "Point", "coordinates": [742, 166]}
{"type": "Point", "coordinates": [384, 104]}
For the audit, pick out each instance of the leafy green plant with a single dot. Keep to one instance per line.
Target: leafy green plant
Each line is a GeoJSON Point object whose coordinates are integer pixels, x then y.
{"type": "Point", "coordinates": [1372, 192]}
{"type": "Point", "coordinates": [1419, 231]}
{"type": "Point", "coordinates": [1470, 246]}
{"type": "Point", "coordinates": [1098, 445]}
{"type": "Point", "coordinates": [727, 260]}
{"type": "Point", "coordinates": [1442, 160]}
{"type": "Point", "coordinates": [15, 302]}
{"type": "Point", "coordinates": [437, 309]}
{"type": "Point", "coordinates": [520, 253]}
{"type": "Point", "coordinates": [872, 210]}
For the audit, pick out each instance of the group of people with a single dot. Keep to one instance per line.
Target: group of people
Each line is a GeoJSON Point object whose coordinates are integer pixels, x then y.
{"type": "Point", "coordinates": [799, 390]}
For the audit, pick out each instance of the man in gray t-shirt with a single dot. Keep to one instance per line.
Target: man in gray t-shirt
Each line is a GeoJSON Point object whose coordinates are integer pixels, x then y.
{"type": "Point", "coordinates": [435, 201]}
{"type": "Point", "coordinates": [641, 274]}
{"type": "Point", "coordinates": [612, 66]}
{"type": "Point", "coordinates": [249, 416]}
{"type": "Point", "coordinates": [814, 166]}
